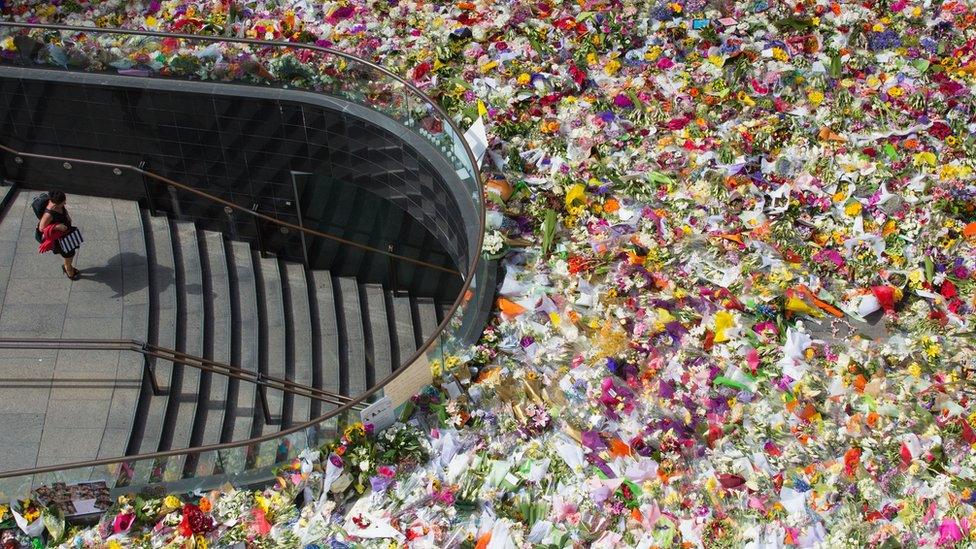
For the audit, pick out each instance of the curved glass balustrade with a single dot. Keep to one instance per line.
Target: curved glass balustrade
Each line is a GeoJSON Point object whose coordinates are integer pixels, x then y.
{"type": "Point", "coordinates": [280, 65]}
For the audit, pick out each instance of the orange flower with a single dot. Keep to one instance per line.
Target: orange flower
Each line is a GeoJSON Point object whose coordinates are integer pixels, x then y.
{"type": "Point", "coordinates": [619, 448]}
{"type": "Point", "coordinates": [205, 505]}
{"type": "Point", "coordinates": [611, 205]}
{"type": "Point", "coordinates": [510, 308]}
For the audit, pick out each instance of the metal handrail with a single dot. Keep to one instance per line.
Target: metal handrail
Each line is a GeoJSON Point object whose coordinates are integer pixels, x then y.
{"type": "Point", "coordinates": [469, 275]}
{"type": "Point", "coordinates": [203, 194]}
{"type": "Point", "coordinates": [177, 357]}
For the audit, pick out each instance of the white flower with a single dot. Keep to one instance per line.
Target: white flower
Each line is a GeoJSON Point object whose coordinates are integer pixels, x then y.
{"type": "Point", "coordinates": [494, 242]}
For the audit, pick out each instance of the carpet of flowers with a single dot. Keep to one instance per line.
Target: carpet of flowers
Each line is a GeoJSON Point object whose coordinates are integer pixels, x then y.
{"type": "Point", "coordinates": [739, 241]}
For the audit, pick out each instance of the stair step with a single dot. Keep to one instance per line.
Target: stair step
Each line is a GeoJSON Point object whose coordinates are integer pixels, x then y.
{"type": "Point", "coordinates": [135, 325]}
{"type": "Point", "coordinates": [406, 338]}
{"type": "Point", "coordinates": [246, 340]}
{"type": "Point", "coordinates": [271, 311]}
{"type": "Point", "coordinates": [218, 339]}
{"type": "Point", "coordinates": [300, 339]}
{"type": "Point", "coordinates": [326, 336]}
{"type": "Point", "coordinates": [377, 333]}
{"type": "Point", "coordinates": [183, 415]}
{"type": "Point", "coordinates": [162, 281]}
{"type": "Point", "coordinates": [351, 333]}
{"type": "Point", "coordinates": [426, 314]}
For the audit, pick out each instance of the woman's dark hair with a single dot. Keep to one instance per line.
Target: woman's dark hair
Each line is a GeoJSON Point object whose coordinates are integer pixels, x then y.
{"type": "Point", "coordinates": [57, 197]}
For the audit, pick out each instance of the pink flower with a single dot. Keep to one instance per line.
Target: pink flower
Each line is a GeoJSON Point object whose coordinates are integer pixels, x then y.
{"type": "Point", "coordinates": [260, 525]}
{"type": "Point", "coordinates": [564, 510]}
{"type": "Point", "coordinates": [678, 123]}
{"type": "Point", "coordinates": [949, 532]}
{"type": "Point", "coordinates": [123, 522]}
{"type": "Point", "coordinates": [664, 63]}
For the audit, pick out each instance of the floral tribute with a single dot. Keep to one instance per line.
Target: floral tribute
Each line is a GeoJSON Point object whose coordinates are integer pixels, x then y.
{"type": "Point", "coordinates": [739, 241]}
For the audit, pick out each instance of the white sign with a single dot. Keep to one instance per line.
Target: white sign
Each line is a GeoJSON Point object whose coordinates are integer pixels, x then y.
{"type": "Point", "coordinates": [379, 413]}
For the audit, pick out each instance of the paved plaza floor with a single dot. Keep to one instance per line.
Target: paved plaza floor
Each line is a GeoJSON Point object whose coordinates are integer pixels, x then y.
{"type": "Point", "coordinates": [59, 406]}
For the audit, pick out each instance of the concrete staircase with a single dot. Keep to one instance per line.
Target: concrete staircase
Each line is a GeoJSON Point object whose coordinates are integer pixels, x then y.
{"type": "Point", "coordinates": [197, 292]}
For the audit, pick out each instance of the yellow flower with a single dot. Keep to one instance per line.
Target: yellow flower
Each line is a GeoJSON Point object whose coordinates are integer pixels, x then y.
{"type": "Point", "coordinates": [151, 21]}
{"type": "Point", "coordinates": [612, 67]}
{"type": "Point", "coordinates": [815, 97]}
{"type": "Point", "coordinates": [853, 209]}
{"type": "Point", "coordinates": [201, 542]}
{"type": "Point", "coordinates": [744, 98]}
{"type": "Point", "coordinates": [925, 157]}
{"type": "Point", "coordinates": [575, 195]}
{"type": "Point", "coordinates": [896, 91]}
{"type": "Point", "coordinates": [172, 502]}
{"type": "Point", "coordinates": [723, 321]}
{"type": "Point", "coordinates": [435, 368]}
{"type": "Point", "coordinates": [780, 54]}
{"type": "Point", "coordinates": [915, 370]}
{"type": "Point", "coordinates": [262, 502]}
{"type": "Point", "coordinates": [114, 544]}
{"type": "Point", "coordinates": [653, 53]}
{"type": "Point", "coordinates": [524, 79]}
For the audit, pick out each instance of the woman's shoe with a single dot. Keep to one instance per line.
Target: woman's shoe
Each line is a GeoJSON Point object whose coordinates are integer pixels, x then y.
{"type": "Point", "coordinates": [75, 276]}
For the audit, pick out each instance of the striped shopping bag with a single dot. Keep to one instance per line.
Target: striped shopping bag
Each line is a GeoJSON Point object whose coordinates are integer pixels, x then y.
{"type": "Point", "coordinates": [71, 241]}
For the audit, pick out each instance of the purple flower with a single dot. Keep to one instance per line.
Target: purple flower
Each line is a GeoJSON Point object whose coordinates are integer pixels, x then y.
{"type": "Point", "coordinates": [380, 483]}
{"type": "Point", "coordinates": [623, 101]}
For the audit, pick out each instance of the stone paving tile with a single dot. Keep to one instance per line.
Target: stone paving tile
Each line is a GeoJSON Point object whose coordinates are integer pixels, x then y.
{"type": "Point", "coordinates": [65, 445]}
{"type": "Point", "coordinates": [21, 291]}
{"type": "Point", "coordinates": [29, 355]}
{"type": "Point", "coordinates": [32, 320]}
{"type": "Point", "coordinates": [113, 443]}
{"type": "Point", "coordinates": [31, 399]}
{"type": "Point", "coordinates": [26, 368]}
{"type": "Point", "coordinates": [76, 414]}
{"type": "Point", "coordinates": [20, 437]}
{"type": "Point", "coordinates": [36, 266]}
{"type": "Point", "coordinates": [77, 390]}
{"type": "Point", "coordinates": [93, 364]}
{"type": "Point", "coordinates": [93, 327]}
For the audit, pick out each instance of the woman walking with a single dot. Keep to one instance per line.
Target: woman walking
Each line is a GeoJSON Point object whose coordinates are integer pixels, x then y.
{"type": "Point", "coordinates": [54, 224]}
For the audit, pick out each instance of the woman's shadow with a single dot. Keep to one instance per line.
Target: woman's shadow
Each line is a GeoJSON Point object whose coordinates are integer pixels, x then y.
{"type": "Point", "coordinates": [129, 278]}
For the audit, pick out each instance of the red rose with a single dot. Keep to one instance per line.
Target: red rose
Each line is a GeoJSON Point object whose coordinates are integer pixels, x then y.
{"type": "Point", "coordinates": [194, 521]}
{"type": "Point", "coordinates": [940, 130]}
{"type": "Point", "coordinates": [421, 70]}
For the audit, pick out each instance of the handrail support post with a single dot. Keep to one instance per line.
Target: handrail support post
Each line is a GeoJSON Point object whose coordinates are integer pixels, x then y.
{"type": "Point", "coordinates": [265, 408]}
{"type": "Point", "coordinates": [146, 187]}
{"type": "Point", "coordinates": [151, 369]}
{"type": "Point", "coordinates": [257, 231]}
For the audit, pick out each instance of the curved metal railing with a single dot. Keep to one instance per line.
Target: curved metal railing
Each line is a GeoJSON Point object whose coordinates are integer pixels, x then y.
{"type": "Point", "coordinates": [311, 68]}
{"type": "Point", "coordinates": [228, 204]}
